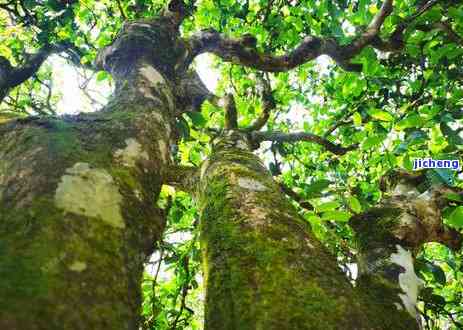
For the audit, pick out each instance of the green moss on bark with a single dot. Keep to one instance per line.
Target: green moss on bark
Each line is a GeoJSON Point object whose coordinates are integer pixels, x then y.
{"type": "Point", "coordinates": [263, 267]}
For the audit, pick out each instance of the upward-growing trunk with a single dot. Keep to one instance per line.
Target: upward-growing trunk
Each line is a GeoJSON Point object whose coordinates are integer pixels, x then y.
{"type": "Point", "coordinates": [78, 215]}
{"type": "Point", "coordinates": [263, 268]}
{"type": "Point", "coordinates": [77, 198]}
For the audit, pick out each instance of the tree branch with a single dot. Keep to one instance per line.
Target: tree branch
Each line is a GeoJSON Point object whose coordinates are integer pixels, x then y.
{"type": "Point", "coordinates": [191, 93]}
{"type": "Point", "coordinates": [242, 52]}
{"type": "Point", "coordinates": [11, 77]}
{"type": "Point", "coordinates": [372, 30]}
{"type": "Point", "coordinates": [444, 27]}
{"type": "Point", "coordinates": [301, 136]}
{"type": "Point", "coordinates": [121, 10]}
{"type": "Point", "coordinates": [231, 115]}
{"type": "Point", "coordinates": [395, 42]}
{"type": "Point", "coordinates": [268, 105]}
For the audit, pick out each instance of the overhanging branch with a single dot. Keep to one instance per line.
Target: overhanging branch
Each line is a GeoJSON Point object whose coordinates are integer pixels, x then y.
{"type": "Point", "coordinates": [243, 52]}
{"type": "Point", "coordinates": [11, 77]}
{"type": "Point", "coordinates": [301, 136]}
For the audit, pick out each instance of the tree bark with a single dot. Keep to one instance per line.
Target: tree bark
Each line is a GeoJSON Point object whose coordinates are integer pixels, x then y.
{"type": "Point", "coordinates": [77, 198]}
{"type": "Point", "coordinates": [263, 267]}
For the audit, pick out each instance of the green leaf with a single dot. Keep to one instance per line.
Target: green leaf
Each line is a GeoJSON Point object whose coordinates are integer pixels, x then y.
{"type": "Point", "coordinates": [183, 127]}
{"type": "Point", "coordinates": [340, 216]}
{"type": "Point", "coordinates": [372, 141]}
{"type": "Point", "coordinates": [437, 273]}
{"type": "Point", "coordinates": [102, 75]}
{"type": "Point", "coordinates": [454, 197]}
{"type": "Point", "coordinates": [456, 218]}
{"type": "Point", "coordinates": [380, 115]}
{"type": "Point", "coordinates": [328, 206]}
{"type": "Point", "coordinates": [430, 269]}
{"type": "Point", "coordinates": [197, 118]}
{"type": "Point", "coordinates": [437, 300]}
{"type": "Point", "coordinates": [315, 188]}
{"type": "Point", "coordinates": [413, 120]}
{"type": "Point", "coordinates": [357, 119]}
{"type": "Point", "coordinates": [355, 204]}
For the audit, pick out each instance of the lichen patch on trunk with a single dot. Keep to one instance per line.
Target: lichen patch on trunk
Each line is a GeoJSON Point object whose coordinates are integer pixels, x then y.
{"type": "Point", "coordinates": [152, 75]}
{"type": "Point", "coordinates": [78, 266]}
{"type": "Point", "coordinates": [131, 154]}
{"type": "Point", "coordinates": [91, 193]}
{"type": "Point", "coordinates": [251, 184]}
{"type": "Point", "coordinates": [408, 281]}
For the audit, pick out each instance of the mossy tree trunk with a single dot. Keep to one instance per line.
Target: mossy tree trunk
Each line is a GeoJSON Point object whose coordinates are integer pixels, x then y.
{"type": "Point", "coordinates": [78, 194]}
{"type": "Point", "coordinates": [263, 268]}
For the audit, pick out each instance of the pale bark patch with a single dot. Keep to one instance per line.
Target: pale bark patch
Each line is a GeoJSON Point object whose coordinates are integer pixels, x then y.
{"type": "Point", "coordinates": [404, 189]}
{"type": "Point", "coordinates": [152, 75]}
{"type": "Point", "coordinates": [258, 217]}
{"type": "Point", "coordinates": [408, 281]}
{"type": "Point", "coordinates": [78, 266]}
{"type": "Point", "coordinates": [91, 193]}
{"type": "Point", "coordinates": [147, 93]}
{"type": "Point", "coordinates": [251, 184]}
{"type": "Point", "coordinates": [163, 150]}
{"type": "Point", "coordinates": [131, 153]}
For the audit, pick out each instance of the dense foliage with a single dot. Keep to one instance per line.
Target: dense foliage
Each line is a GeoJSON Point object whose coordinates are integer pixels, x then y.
{"type": "Point", "coordinates": [402, 105]}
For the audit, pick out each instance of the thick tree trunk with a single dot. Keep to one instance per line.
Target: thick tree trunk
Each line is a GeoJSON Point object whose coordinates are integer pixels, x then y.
{"type": "Point", "coordinates": [263, 268]}
{"type": "Point", "coordinates": [78, 215]}
{"type": "Point", "coordinates": [77, 198]}
{"type": "Point", "coordinates": [78, 194]}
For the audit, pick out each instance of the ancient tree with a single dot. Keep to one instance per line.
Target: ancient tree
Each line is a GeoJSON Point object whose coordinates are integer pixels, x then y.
{"type": "Point", "coordinates": [78, 193]}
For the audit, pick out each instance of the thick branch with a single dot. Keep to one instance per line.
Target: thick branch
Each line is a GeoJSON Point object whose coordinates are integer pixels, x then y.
{"type": "Point", "coordinates": [191, 93]}
{"type": "Point", "coordinates": [372, 30]}
{"type": "Point", "coordinates": [175, 13]}
{"type": "Point", "coordinates": [235, 51]}
{"type": "Point", "coordinates": [301, 136]}
{"type": "Point", "coordinates": [241, 51]}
